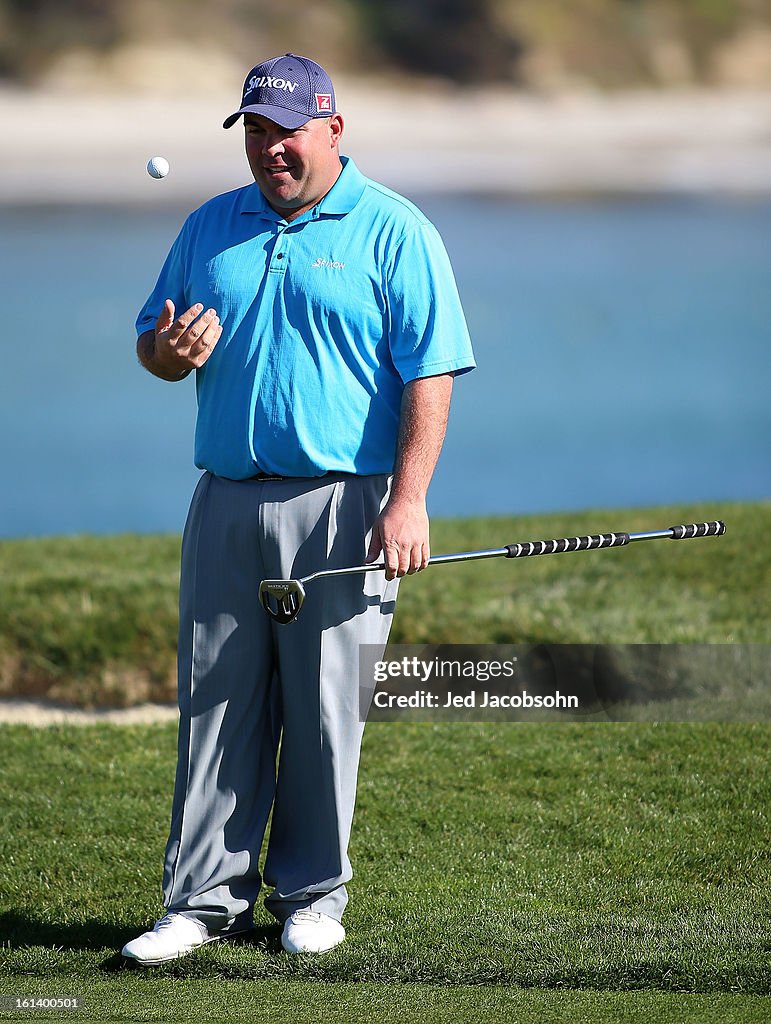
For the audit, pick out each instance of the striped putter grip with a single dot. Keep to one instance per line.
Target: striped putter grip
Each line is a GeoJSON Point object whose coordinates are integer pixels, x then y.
{"type": "Point", "coordinates": [713, 529]}
{"type": "Point", "coordinates": [553, 547]}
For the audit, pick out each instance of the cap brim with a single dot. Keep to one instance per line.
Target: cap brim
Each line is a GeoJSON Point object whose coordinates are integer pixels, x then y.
{"type": "Point", "coordinates": [280, 115]}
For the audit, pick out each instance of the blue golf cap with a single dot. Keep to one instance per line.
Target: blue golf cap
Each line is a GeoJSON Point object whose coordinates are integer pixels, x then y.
{"type": "Point", "coordinates": [289, 90]}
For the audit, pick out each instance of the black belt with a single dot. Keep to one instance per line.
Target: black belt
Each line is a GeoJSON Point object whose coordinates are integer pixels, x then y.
{"type": "Point", "coordinates": [275, 476]}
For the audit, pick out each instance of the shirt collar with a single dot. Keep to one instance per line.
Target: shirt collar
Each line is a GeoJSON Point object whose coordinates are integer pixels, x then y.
{"type": "Point", "coordinates": [341, 198]}
{"type": "Point", "coordinates": [346, 191]}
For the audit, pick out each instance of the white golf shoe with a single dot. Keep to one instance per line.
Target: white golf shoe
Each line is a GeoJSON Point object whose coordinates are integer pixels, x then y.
{"type": "Point", "coordinates": [308, 932]}
{"type": "Point", "coordinates": [174, 936]}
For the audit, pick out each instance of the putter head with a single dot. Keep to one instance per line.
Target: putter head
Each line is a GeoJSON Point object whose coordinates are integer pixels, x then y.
{"type": "Point", "coordinates": [282, 599]}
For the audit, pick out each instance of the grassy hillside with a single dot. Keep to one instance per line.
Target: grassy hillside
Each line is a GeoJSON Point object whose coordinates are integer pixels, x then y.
{"type": "Point", "coordinates": [92, 620]}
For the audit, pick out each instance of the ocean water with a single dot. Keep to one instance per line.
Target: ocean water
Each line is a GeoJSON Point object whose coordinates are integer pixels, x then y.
{"type": "Point", "coordinates": [623, 350]}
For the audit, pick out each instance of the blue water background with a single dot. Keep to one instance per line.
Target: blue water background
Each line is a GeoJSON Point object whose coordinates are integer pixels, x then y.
{"type": "Point", "coordinates": [624, 352]}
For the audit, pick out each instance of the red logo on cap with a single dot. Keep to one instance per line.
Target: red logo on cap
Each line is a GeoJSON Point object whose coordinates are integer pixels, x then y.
{"type": "Point", "coordinates": [324, 102]}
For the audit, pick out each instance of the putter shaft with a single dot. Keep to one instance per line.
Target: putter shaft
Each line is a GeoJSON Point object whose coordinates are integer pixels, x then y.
{"type": "Point", "coordinates": [461, 556]}
{"type": "Point", "coordinates": [282, 599]}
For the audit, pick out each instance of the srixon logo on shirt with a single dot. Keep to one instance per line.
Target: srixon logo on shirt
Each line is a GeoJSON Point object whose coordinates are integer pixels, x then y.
{"type": "Point", "coordinates": [267, 82]}
{"type": "Point", "coordinates": [319, 264]}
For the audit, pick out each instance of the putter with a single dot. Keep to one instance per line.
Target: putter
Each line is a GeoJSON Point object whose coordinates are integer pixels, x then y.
{"type": "Point", "coordinates": [283, 599]}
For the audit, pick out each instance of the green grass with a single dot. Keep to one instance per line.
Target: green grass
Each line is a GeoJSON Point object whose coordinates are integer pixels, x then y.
{"type": "Point", "coordinates": [705, 591]}
{"type": "Point", "coordinates": [538, 872]}
{"type": "Point", "coordinates": [533, 872]}
{"type": "Point", "coordinates": [92, 620]}
{"type": "Point", "coordinates": [89, 620]}
{"type": "Point", "coordinates": [140, 999]}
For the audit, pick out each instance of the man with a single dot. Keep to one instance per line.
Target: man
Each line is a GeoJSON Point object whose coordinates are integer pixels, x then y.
{"type": "Point", "coordinates": [322, 319]}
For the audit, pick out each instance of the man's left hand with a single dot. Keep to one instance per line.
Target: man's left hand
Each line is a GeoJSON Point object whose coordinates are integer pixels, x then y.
{"type": "Point", "coordinates": [400, 535]}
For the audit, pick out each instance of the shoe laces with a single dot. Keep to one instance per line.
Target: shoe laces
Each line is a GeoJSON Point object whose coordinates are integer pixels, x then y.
{"type": "Point", "coordinates": [306, 915]}
{"type": "Point", "coordinates": [166, 922]}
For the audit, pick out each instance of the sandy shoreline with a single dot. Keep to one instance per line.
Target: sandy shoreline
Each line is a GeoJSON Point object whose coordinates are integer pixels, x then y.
{"type": "Point", "coordinates": [42, 713]}
{"type": "Point", "coordinates": [87, 148]}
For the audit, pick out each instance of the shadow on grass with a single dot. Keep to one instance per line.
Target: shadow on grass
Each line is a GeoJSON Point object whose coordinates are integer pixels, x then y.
{"type": "Point", "coordinates": [265, 938]}
{"type": "Point", "coordinates": [21, 929]}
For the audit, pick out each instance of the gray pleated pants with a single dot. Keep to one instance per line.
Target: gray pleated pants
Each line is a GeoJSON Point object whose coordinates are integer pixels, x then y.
{"type": "Point", "coordinates": [246, 682]}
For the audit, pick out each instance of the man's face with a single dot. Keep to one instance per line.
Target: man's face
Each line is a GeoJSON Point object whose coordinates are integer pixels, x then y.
{"type": "Point", "coordinates": [293, 168]}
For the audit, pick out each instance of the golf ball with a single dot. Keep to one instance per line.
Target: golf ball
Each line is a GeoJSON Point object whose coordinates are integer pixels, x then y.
{"type": "Point", "coordinates": [157, 167]}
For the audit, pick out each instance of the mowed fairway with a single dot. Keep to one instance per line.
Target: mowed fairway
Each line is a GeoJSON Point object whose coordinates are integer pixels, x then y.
{"type": "Point", "coordinates": [530, 872]}
{"type": "Point", "coordinates": [511, 871]}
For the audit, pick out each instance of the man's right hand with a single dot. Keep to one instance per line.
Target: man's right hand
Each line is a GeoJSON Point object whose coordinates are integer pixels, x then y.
{"type": "Point", "coordinates": [180, 345]}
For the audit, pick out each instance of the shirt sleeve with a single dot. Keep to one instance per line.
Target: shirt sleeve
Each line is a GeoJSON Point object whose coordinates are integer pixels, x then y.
{"type": "Point", "coordinates": [170, 285]}
{"type": "Point", "coordinates": [428, 334]}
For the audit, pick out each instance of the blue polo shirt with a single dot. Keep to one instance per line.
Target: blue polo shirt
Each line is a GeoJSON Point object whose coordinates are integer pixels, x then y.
{"type": "Point", "coordinates": [325, 318]}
